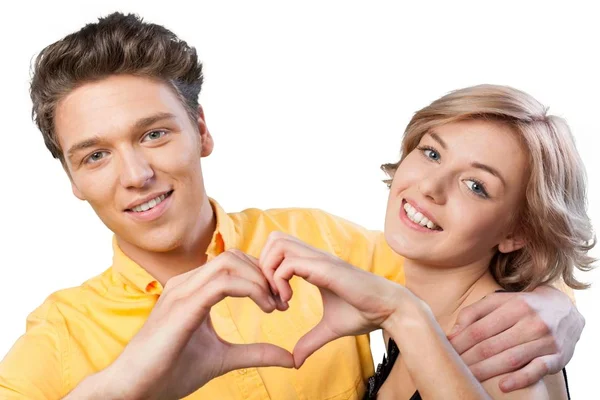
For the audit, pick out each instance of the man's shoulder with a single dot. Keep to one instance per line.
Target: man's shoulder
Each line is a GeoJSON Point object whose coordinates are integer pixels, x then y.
{"type": "Point", "coordinates": [52, 309]}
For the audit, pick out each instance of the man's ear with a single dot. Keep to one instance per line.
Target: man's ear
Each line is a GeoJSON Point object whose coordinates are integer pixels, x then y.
{"type": "Point", "coordinates": [512, 242]}
{"type": "Point", "coordinates": [206, 140]}
{"type": "Point", "coordinates": [74, 187]}
{"type": "Point", "coordinates": [77, 192]}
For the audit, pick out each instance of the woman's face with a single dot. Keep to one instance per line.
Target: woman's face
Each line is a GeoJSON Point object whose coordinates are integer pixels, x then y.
{"type": "Point", "coordinates": [465, 182]}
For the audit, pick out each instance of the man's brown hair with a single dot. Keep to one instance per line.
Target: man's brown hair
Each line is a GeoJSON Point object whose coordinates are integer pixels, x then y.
{"type": "Point", "coordinates": [117, 44]}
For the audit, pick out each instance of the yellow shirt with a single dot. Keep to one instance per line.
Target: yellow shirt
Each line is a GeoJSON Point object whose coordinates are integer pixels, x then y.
{"type": "Point", "coordinates": [79, 331]}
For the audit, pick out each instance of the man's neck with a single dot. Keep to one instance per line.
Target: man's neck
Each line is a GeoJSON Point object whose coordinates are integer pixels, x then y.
{"type": "Point", "coordinates": [448, 290]}
{"type": "Point", "coordinates": [187, 256]}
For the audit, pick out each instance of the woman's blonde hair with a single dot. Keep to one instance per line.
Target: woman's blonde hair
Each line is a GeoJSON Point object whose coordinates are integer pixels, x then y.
{"type": "Point", "coordinates": [554, 218]}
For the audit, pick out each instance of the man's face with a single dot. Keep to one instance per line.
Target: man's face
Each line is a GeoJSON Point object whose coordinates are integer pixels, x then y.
{"type": "Point", "coordinates": [133, 154]}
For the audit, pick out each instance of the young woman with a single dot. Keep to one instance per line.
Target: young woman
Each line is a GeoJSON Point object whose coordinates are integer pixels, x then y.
{"type": "Point", "coordinates": [488, 195]}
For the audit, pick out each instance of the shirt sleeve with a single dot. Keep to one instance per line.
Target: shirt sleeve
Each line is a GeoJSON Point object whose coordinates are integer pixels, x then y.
{"type": "Point", "coordinates": [32, 368]}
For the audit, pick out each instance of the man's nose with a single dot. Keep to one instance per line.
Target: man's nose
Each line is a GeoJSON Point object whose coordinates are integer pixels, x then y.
{"type": "Point", "coordinates": [136, 170]}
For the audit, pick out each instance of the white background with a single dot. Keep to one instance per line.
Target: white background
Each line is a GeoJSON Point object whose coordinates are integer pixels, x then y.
{"type": "Point", "coordinates": [305, 100]}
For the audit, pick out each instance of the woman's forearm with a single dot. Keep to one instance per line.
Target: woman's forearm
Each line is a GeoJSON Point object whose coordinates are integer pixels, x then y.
{"type": "Point", "coordinates": [434, 366]}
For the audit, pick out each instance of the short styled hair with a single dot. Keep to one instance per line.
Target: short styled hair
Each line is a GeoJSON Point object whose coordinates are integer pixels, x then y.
{"type": "Point", "coordinates": [117, 44]}
{"type": "Point", "coordinates": [553, 219]}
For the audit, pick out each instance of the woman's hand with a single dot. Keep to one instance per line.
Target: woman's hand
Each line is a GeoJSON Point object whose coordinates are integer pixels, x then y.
{"type": "Point", "coordinates": [354, 301]}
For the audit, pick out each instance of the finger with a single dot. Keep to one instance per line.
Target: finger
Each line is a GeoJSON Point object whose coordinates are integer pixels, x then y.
{"type": "Point", "coordinates": [512, 359]}
{"type": "Point", "coordinates": [227, 263]}
{"type": "Point", "coordinates": [257, 355]}
{"type": "Point", "coordinates": [499, 319]}
{"type": "Point", "coordinates": [244, 256]}
{"type": "Point", "coordinates": [232, 286]}
{"type": "Point", "coordinates": [345, 281]}
{"type": "Point", "coordinates": [313, 271]}
{"type": "Point", "coordinates": [281, 305]}
{"type": "Point", "coordinates": [270, 258]}
{"type": "Point", "coordinates": [522, 332]}
{"type": "Point", "coordinates": [478, 310]}
{"type": "Point", "coordinates": [278, 247]}
{"type": "Point", "coordinates": [284, 273]}
{"type": "Point", "coordinates": [528, 375]}
{"type": "Point", "coordinates": [316, 338]}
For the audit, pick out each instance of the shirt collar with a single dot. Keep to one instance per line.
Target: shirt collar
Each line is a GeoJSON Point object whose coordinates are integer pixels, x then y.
{"type": "Point", "coordinates": [226, 236]}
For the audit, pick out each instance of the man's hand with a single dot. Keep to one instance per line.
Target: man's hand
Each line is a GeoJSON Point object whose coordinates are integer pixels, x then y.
{"type": "Point", "coordinates": [177, 350]}
{"type": "Point", "coordinates": [528, 334]}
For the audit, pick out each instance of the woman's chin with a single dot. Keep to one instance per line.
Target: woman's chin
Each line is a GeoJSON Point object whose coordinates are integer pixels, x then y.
{"type": "Point", "coordinates": [406, 247]}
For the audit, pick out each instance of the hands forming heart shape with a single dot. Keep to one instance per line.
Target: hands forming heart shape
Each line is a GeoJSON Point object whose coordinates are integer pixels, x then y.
{"type": "Point", "coordinates": [177, 350]}
{"type": "Point", "coordinates": [355, 301]}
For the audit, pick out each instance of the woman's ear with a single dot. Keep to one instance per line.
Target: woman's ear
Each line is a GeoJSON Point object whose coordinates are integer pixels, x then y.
{"type": "Point", "coordinates": [512, 243]}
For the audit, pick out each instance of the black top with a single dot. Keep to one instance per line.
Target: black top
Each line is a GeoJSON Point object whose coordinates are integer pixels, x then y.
{"type": "Point", "coordinates": [383, 370]}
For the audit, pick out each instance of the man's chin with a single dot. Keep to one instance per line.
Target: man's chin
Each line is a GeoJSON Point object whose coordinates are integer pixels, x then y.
{"type": "Point", "coordinates": [160, 243]}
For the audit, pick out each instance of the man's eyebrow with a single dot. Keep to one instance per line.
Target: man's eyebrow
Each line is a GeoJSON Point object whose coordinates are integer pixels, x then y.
{"type": "Point", "coordinates": [489, 169]}
{"type": "Point", "coordinates": [141, 123]}
{"type": "Point", "coordinates": [84, 144]}
{"type": "Point", "coordinates": [152, 119]}
{"type": "Point", "coordinates": [438, 139]}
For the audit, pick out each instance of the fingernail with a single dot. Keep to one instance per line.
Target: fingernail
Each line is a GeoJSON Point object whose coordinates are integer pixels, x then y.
{"type": "Point", "coordinates": [280, 304]}
{"type": "Point", "coordinates": [507, 385]}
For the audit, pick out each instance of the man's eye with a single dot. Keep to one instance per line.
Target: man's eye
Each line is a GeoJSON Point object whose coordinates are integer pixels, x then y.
{"type": "Point", "coordinates": [154, 135]}
{"type": "Point", "coordinates": [95, 157]}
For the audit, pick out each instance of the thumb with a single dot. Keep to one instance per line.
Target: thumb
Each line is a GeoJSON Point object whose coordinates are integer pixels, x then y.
{"type": "Point", "coordinates": [257, 355]}
{"type": "Point", "coordinates": [312, 341]}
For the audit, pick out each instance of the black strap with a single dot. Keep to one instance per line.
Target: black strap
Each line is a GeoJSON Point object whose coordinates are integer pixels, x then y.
{"type": "Point", "coordinates": [566, 383]}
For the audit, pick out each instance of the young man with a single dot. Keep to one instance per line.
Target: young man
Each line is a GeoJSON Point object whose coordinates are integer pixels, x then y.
{"type": "Point", "coordinates": [117, 104]}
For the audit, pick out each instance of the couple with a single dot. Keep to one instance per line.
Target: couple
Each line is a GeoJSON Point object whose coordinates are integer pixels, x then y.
{"type": "Point", "coordinates": [117, 103]}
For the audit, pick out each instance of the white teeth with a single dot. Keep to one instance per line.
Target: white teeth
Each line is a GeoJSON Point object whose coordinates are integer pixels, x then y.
{"type": "Point", "coordinates": [149, 204]}
{"type": "Point", "coordinates": [418, 218]}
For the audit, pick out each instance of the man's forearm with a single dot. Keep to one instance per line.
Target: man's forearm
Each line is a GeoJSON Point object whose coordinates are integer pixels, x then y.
{"type": "Point", "coordinates": [99, 386]}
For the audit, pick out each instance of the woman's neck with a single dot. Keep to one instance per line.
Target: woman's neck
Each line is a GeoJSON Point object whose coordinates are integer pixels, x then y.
{"type": "Point", "coordinates": [448, 290]}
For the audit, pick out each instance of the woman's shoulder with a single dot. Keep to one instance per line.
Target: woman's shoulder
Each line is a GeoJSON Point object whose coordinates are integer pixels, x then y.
{"type": "Point", "coordinates": [552, 387]}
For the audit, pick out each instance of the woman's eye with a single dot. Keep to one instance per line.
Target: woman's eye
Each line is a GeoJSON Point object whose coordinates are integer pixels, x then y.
{"type": "Point", "coordinates": [432, 154]}
{"type": "Point", "coordinates": [476, 187]}
{"type": "Point", "coordinates": [154, 135]}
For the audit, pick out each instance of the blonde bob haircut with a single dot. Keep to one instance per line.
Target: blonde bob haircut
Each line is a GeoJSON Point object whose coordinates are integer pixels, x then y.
{"type": "Point", "coordinates": [553, 219]}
